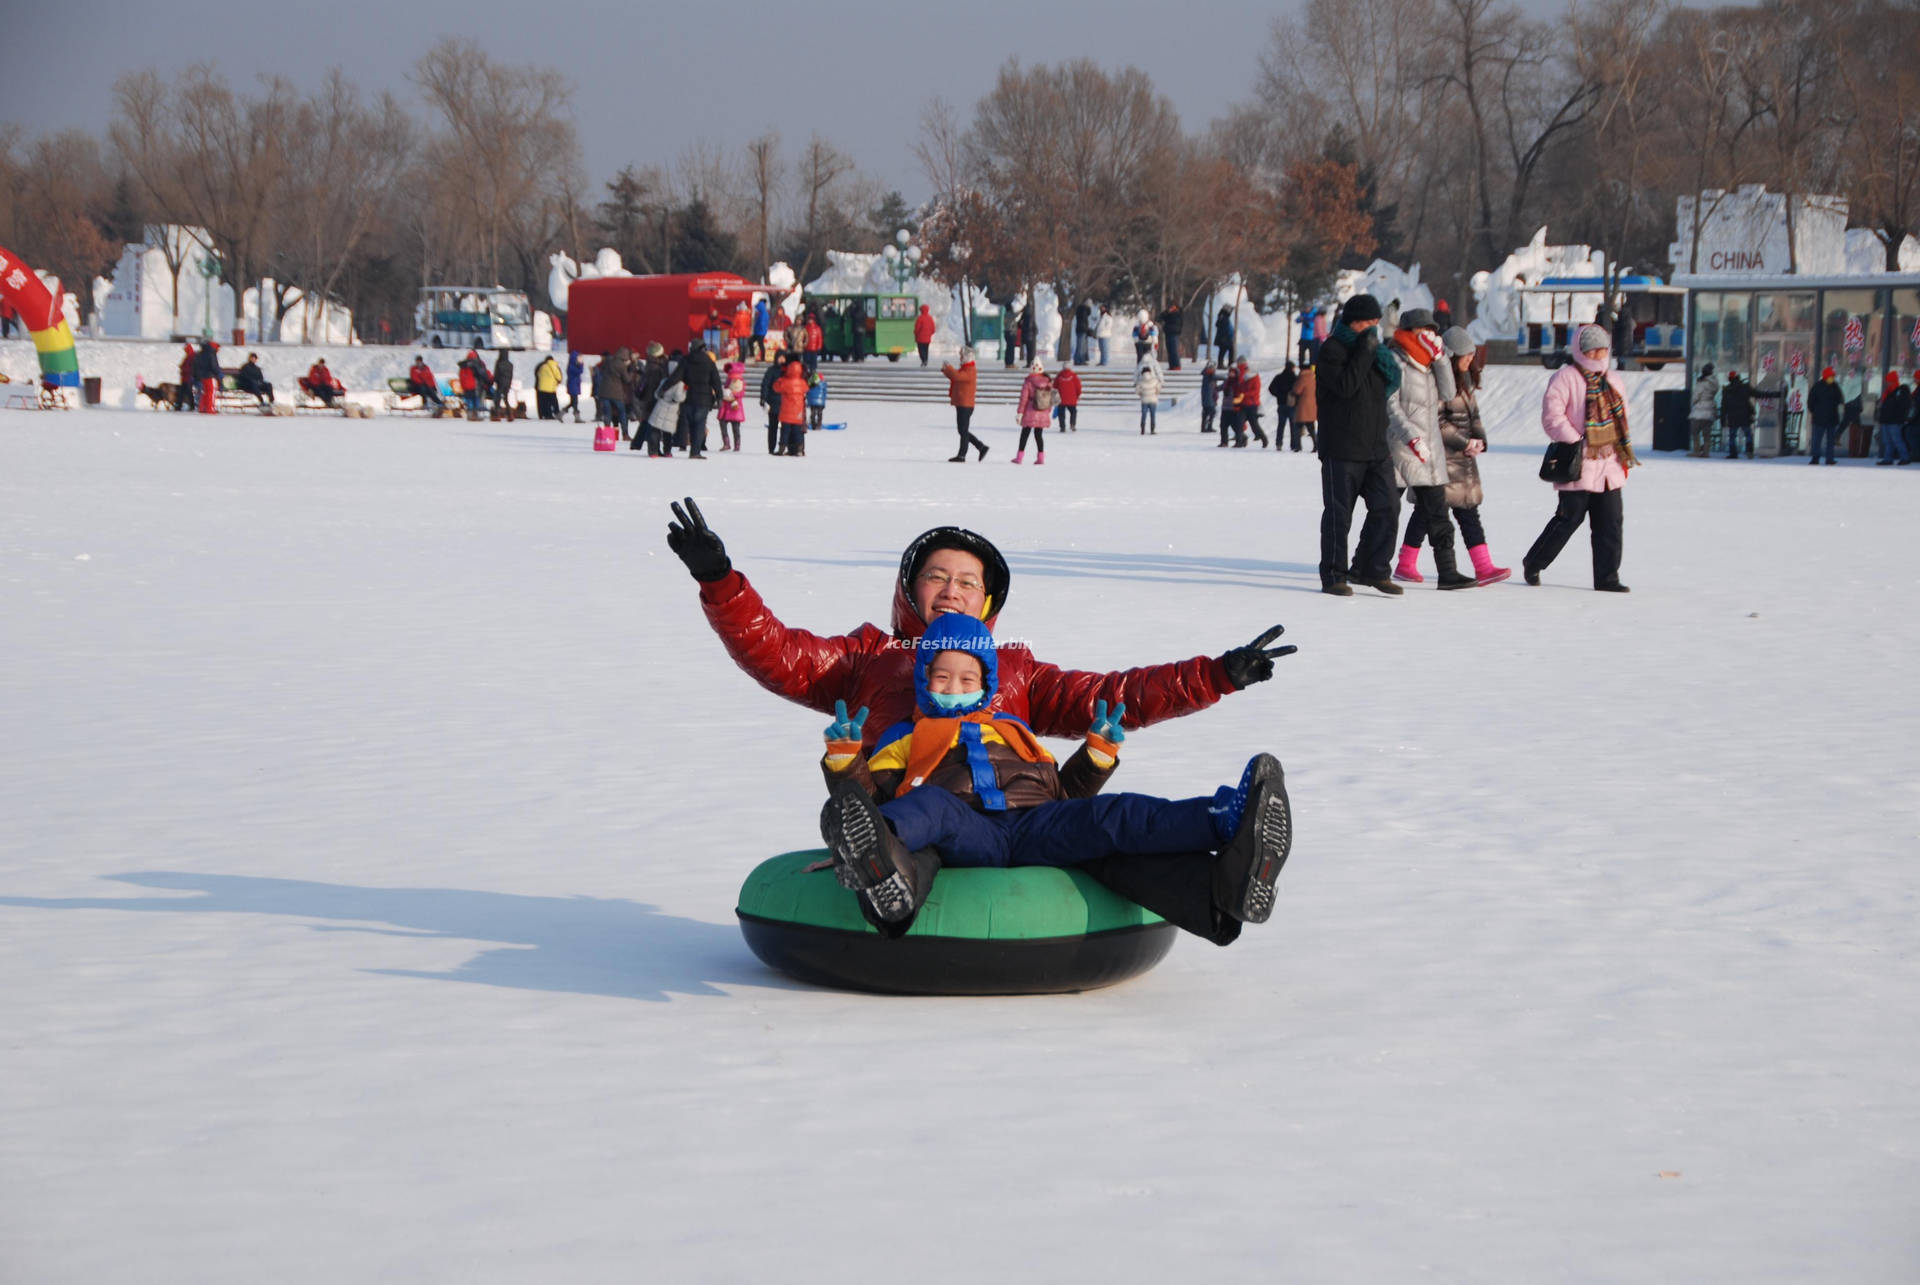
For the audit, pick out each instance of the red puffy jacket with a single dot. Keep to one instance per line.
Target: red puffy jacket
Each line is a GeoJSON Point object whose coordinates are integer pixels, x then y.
{"type": "Point", "coordinates": [1245, 390]}
{"type": "Point", "coordinates": [1068, 385]}
{"type": "Point", "coordinates": [923, 327]}
{"type": "Point", "coordinates": [872, 668]}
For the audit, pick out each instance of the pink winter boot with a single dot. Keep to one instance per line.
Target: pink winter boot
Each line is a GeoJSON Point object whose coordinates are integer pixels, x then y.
{"type": "Point", "coordinates": [1409, 566]}
{"type": "Point", "coordinates": [1483, 569]}
{"type": "Point", "coordinates": [1039, 457]}
{"type": "Point", "coordinates": [1019, 456]}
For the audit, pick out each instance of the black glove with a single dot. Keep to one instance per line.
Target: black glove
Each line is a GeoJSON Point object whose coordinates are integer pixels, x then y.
{"type": "Point", "coordinates": [1253, 663]}
{"type": "Point", "coordinates": [697, 546]}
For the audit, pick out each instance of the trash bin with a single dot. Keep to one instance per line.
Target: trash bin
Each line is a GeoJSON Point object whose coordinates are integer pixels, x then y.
{"type": "Point", "coordinates": [90, 388]}
{"type": "Point", "coordinates": [239, 336]}
{"type": "Point", "coordinates": [1670, 419]}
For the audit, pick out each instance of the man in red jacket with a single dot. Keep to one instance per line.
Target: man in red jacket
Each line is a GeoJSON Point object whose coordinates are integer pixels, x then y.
{"type": "Point", "coordinates": [952, 569]}
{"type": "Point", "coordinates": [1243, 389]}
{"type": "Point", "coordinates": [1067, 413]}
{"type": "Point", "coordinates": [923, 328]}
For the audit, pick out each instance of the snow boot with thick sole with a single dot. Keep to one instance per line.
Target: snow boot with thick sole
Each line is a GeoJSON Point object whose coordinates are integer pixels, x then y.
{"type": "Point", "coordinates": [1247, 866]}
{"type": "Point", "coordinates": [1408, 567]}
{"type": "Point", "coordinates": [1448, 570]}
{"type": "Point", "coordinates": [868, 859]}
{"type": "Point", "coordinates": [1483, 569]}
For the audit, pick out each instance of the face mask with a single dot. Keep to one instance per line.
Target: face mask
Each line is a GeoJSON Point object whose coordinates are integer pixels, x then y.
{"type": "Point", "coordinates": [956, 702]}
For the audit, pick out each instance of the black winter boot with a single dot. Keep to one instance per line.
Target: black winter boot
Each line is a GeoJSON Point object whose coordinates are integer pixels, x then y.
{"type": "Point", "coordinates": [868, 858]}
{"type": "Point", "coordinates": [1245, 870]}
{"type": "Point", "coordinates": [1449, 566]}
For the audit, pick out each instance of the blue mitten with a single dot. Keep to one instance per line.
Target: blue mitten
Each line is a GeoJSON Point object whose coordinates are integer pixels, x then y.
{"type": "Point", "coordinates": [843, 735]}
{"type": "Point", "coordinates": [1104, 737]}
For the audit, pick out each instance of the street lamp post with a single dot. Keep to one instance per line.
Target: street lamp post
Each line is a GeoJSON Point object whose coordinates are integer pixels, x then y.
{"type": "Point", "coordinates": [903, 259]}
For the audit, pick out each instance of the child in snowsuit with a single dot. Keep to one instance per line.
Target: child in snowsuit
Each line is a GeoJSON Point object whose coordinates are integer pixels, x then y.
{"type": "Point", "coordinates": [816, 399]}
{"type": "Point", "coordinates": [963, 786]}
{"type": "Point", "coordinates": [733, 406]}
{"type": "Point", "coordinates": [792, 390]}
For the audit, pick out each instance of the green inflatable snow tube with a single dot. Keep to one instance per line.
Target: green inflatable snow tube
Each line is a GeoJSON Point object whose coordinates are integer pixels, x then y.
{"type": "Point", "coordinates": [1026, 930]}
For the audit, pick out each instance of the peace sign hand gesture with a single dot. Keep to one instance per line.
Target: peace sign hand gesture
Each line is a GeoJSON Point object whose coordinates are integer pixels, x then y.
{"type": "Point", "coordinates": [694, 542]}
{"type": "Point", "coordinates": [1253, 663]}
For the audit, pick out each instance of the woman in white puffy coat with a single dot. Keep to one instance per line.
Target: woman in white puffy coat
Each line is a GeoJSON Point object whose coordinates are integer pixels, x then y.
{"type": "Point", "coordinates": [1414, 441]}
{"type": "Point", "coordinates": [1147, 382]}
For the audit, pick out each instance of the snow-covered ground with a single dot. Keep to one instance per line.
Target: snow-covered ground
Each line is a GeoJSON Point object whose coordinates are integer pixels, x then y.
{"type": "Point", "coordinates": [376, 798]}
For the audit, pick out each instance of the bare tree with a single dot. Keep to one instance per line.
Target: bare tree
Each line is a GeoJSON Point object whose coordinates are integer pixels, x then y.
{"type": "Point", "coordinates": [1880, 88]}
{"type": "Point", "coordinates": [766, 177]}
{"type": "Point", "coordinates": [510, 139]}
{"type": "Point", "coordinates": [54, 197]}
{"type": "Point", "coordinates": [819, 176]}
{"type": "Point", "coordinates": [346, 159]}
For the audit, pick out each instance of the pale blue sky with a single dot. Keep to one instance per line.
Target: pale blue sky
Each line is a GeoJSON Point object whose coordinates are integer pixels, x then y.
{"type": "Point", "coordinates": [649, 76]}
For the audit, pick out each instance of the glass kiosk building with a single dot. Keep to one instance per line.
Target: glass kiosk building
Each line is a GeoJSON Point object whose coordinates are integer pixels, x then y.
{"type": "Point", "coordinates": [1779, 331]}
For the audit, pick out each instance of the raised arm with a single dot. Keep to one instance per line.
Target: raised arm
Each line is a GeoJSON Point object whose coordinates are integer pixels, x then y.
{"type": "Point", "coordinates": [803, 667]}
{"type": "Point", "coordinates": [1061, 702]}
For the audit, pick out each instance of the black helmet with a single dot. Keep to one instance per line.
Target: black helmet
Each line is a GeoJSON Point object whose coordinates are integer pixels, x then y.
{"type": "Point", "coordinates": [915, 555]}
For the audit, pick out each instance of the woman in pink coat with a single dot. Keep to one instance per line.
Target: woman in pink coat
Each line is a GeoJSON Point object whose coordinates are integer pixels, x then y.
{"type": "Point", "coordinates": [1037, 400]}
{"type": "Point", "coordinates": [1586, 402]}
{"type": "Point", "coordinates": [733, 405]}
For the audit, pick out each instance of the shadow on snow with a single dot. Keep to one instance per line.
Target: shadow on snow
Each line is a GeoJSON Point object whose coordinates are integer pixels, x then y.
{"type": "Point", "coordinates": [578, 945]}
{"type": "Point", "coordinates": [1140, 568]}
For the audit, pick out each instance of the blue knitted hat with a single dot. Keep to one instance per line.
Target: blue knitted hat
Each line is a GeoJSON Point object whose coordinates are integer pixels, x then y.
{"type": "Point", "coordinates": [955, 631]}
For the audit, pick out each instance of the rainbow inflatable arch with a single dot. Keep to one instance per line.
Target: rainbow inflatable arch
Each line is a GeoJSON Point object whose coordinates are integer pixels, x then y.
{"type": "Point", "coordinates": [52, 340]}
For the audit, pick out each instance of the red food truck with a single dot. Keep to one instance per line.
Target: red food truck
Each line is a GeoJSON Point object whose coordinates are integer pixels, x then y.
{"type": "Point", "coordinates": [605, 313]}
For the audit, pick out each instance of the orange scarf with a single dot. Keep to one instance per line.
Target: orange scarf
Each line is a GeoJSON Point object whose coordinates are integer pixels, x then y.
{"type": "Point", "coordinates": [1408, 341]}
{"type": "Point", "coordinates": [934, 737]}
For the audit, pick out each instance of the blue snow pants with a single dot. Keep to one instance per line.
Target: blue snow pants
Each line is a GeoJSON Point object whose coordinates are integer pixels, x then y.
{"type": "Point", "coordinates": [1063, 833]}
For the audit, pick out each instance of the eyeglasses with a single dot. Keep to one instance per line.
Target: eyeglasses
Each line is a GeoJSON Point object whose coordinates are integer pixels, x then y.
{"type": "Point", "coordinates": [940, 580]}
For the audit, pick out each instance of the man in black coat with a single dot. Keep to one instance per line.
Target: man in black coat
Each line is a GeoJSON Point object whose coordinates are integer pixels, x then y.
{"type": "Point", "coordinates": [1281, 387]}
{"type": "Point", "coordinates": [1353, 387]}
{"type": "Point", "coordinates": [1082, 331]}
{"type": "Point", "coordinates": [1223, 346]}
{"type": "Point", "coordinates": [502, 379]}
{"type": "Point", "coordinates": [1736, 411]}
{"type": "Point", "coordinates": [1824, 401]}
{"type": "Point", "coordinates": [702, 379]}
{"type": "Point", "coordinates": [771, 400]}
{"type": "Point", "coordinates": [251, 379]}
{"type": "Point", "coordinates": [1170, 323]}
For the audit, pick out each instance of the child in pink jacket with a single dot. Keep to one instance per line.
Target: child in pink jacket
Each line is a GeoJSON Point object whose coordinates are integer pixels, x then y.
{"type": "Point", "coordinates": [733, 405]}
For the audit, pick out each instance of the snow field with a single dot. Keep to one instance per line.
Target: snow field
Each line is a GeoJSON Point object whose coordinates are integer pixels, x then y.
{"type": "Point", "coordinates": [378, 795]}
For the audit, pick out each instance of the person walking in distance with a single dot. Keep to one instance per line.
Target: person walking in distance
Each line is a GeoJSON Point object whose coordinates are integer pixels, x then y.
{"type": "Point", "coordinates": [1587, 403]}
{"type": "Point", "coordinates": [1702, 411]}
{"type": "Point", "coordinates": [1890, 416]}
{"type": "Point", "coordinates": [1464, 437]}
{"type": "Point", "coordinates": [1067, 414]}
{"type": "Point", "coordinates": [1172, 322]}
{"type": "Point", "coordinates": [1824, 402]}
{"type": "Point", "coordinates": [503, 382]}
{"type": "Point", "coordinates": [1103, 333]}
{"type": "Point", "coordinates": [962, 382]}
{"type": "Point", "coordinates": [1209, 396]}
{"type": "Point", "coordinates": [1243, 386]}
{"type": "Point", "coordinates": [1281, 389]}
{"type": "Point", "coordinates": [1306, 410]}
{"type": "Point", "coordinates": [1147, 384]}
{"type": "Point", "coordinates": [923, 331]}
{"type": "Point", "coordinates": [1356, 377]}
{"type": "Point", "coordinates": [1419, 451]}
{"type": "Point", "coordinates": [1037, 400]}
